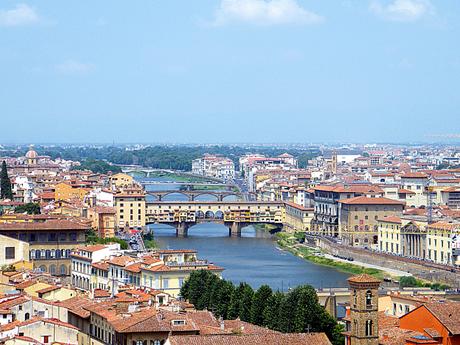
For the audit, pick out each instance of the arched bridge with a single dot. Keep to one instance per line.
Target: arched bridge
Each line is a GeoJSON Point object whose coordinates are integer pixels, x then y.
{"type": "Point", "coordinates": [233, 214]}
{"type": "Point", "coordinates": [192, 194]}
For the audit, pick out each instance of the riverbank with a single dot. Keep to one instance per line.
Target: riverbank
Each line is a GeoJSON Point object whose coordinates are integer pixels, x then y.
{"type": "Point", "coordinates": [288, 241]}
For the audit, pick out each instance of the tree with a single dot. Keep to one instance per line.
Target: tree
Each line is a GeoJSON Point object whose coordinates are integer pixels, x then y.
{"type": "Point", "coordinates": [29, 208]}
{"type": "Point", "coordinates": [259, 303]}
{"type": "Point", "coordinates": [241, 302]}
{"type": "Point", "coordinates": [407, 281]}
{"type": "Point", "coordinates": [272, 311]}
{"type": "Point", "coordinates": [5, 184]}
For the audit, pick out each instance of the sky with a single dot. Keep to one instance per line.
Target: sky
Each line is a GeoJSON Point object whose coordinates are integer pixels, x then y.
{"type": "Point", "coordinates": [204, 71]}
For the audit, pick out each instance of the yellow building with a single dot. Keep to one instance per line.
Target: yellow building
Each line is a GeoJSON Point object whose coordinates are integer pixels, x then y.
{"type": "Point", "coordinates": [358, 218]}
{"type": "Point", "coordinates": [121, 180]}
{"type": "Point", "coordinates": [298, 218]}
{"type": "Point", "coordinates": [389, 229]}
{"type": "Point", "coordinates": [50, 241]}
{"type": "Point", "coordinates": [440, 237]}
{"type": "Point", "coordinates": [103, 220]}
{"type": "Point", "coordinates": [65, 191]}
{"type": "Point", "coordinates": [130, 210]}
{"type": "Point", "coordinates": [13, 252]}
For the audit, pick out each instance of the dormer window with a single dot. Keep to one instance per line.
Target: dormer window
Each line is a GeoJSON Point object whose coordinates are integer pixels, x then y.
{"type": "Point", "coordinates": [178, 322]}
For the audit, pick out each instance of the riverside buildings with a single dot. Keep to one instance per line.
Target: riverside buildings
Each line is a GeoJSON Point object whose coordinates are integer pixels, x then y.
{"type": "Point", "coordinates": [214, 166]}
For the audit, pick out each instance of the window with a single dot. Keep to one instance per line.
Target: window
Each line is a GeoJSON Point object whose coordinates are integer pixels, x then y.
{"type": "Point", "coordinates": [165, 283]}
{"type": "Point", "coordinates": [9, 253]}
{"type": "Point", "coordinates": [369, 328]}
{"type": "Point", "coordinates": [178, 322]}
{"type": "Point", "coordinates": [52, 237]}
{"type": "Point", "coordinates": [368, 298]}
{"type": "Point", "coordinates": [155, 342]}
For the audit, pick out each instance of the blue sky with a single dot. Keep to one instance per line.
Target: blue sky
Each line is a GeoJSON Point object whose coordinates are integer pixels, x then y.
{"type": "Point", "coordinates": [229, 70]}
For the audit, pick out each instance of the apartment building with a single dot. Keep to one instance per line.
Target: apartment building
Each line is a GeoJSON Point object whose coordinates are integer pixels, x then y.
{"type": "Point", "coordinates": [214, 166]}
{"type": "Point", "coordinates": [358, 219]}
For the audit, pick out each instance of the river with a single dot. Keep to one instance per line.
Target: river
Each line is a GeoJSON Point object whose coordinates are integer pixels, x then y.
{"type": "Point", "coordinates": [254, 257]}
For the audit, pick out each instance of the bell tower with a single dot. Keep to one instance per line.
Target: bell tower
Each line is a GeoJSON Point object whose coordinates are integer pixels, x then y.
{"type": "Point", "coordinates": [334, 162]}
{"type": "Point", "coordinates": [364, 328]}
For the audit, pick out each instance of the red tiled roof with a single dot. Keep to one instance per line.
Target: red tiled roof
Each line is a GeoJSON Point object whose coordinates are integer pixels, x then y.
{"type": "Point", "coordinates": [363, 200]}
{"type": "Point", "coordinates": [253, 339]}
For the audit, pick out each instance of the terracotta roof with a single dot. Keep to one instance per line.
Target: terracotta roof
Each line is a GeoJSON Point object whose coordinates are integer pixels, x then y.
{"type": "Point", "coordinates": [25, 284]}
{"type": "Point", "coordinates": [414, 175]}
{"type": "Point", "coordinates": [405, 191]}
{"type": "Point", "coordinates": [253, 339]}
{"type": "Point", "coordinates": [363, 278]}
{"type": "Point", "coordinates": [363, 200]}
{"type": "Point", "coordinates": [121, 260]}
{"type": "Point", "coordinates": [92, 248]}
{"type": "Point", "coordinates": [49, 289]}
{"type": "Point", "coordinates": [447, 313]}
{"type": "Point", "coordinates": [52, 224]}
{"type": "Point", "coordinates": [390, 219]}
{"type": "Point", "coordinates": [444, 226]}
{"type": "Point", "coordinates": [101, 265]}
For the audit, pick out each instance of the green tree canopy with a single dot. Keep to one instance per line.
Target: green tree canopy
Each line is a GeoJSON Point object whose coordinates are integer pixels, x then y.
{"type": "Point", "coordinates": [259, 303]}
{"type": "Point", "coordinates": [5, 183]}
{"type": "Point", "coordinates": [29, 208]}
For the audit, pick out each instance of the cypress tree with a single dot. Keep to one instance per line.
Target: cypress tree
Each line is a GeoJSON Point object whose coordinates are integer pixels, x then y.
{"type": "Point", "coordinates": [272, 311]}
{"type": "Point", "coordinates": [259, 302]}
{"type": "Point", "coordinates": [5, 184]}
{"type": "Point", "coordinates": [246, 302]}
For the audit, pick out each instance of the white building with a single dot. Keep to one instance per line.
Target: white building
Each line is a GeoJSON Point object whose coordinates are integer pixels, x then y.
{"type": "Point", "coordinates": [214, 166]}
{"type": "Point", "coordinates": [82, 259]}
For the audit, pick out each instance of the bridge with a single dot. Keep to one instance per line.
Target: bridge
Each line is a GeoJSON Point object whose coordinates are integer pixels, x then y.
{"type": "Point", "coordinates": [233, 214]}
{"type": "Point", "coordinates": [192, 194]}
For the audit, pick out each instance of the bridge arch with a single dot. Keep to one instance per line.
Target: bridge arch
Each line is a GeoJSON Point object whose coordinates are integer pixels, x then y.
{"type": "Point", "coordinates": [209, 215]}
{"type": "Point", "coordinates": [229, 194]}
{"type": "Point", "coordinates": [197, 196]}
{"type": "Point", "coordinates": [199, 214]}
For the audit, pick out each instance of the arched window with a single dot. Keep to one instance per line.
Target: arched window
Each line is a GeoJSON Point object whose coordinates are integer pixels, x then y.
{"type": "Point", "coordinates": [53, 253]}
{"type": "Point", "coordinates": [355, 296]}
{"type": "Point", "coordinates": [368, 328]}
{"type": "Point", "coordinates": [58, 254]}
{"type": "Point", "coordinates": [53, 269]}
{"type": "Point", "coordinates": [63, 270]}
{"type": "Point", "coordinates": [48, 254]}
{"type": "Point", "coordinates": [67, 253]}
{"type": "Point", "coordinates": [368, 298]}
{"type": "Point", "coordinates": [38, 254]}
{"type": "Point", "coordinates": [26, 316]}
{"type": "Point", "coordinates": [32, 254]}
{"type": "Point", "coordinates": [42, 268]}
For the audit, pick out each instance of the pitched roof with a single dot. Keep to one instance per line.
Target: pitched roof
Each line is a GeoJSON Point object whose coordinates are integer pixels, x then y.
{"type": "Point", "coordinates": [363, 200]}
{"type": "Point", "coordinates": [447, 313]}
{"type": "Point", "coordinates": [363, 278]}
{"type": "Point", "coordinates": [253, 339]}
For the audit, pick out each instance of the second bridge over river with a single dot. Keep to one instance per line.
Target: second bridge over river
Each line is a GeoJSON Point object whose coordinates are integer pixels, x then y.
{"type": "Point", "coordinates": [233, 214]}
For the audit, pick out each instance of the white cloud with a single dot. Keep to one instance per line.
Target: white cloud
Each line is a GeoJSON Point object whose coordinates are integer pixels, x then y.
{"type": "Point", "coordinates": [74, 67]}
{"type": "Point", "coordinates": [264, 12]}
{"type": "Point", "coordinates": [402, 10]}
{"type": "Point", "coordinates": [20, 15]}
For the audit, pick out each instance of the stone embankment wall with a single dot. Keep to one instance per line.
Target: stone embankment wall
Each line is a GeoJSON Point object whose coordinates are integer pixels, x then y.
{"type": "Point", "coordinates": [418, 270]}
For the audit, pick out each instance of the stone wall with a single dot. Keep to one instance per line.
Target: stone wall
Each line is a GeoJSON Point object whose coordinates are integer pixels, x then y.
{"type": "Point", "coordinates": [418, 270]}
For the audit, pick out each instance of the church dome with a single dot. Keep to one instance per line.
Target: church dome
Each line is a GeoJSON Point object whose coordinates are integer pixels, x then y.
{"type": "Point", "coordinates": [31, 154]}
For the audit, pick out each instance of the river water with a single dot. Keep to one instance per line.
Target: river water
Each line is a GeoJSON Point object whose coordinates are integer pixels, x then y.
{"type": "Point", "coordinates": [254, 257]}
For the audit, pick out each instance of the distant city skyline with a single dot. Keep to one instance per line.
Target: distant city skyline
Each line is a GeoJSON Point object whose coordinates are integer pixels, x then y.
{"type": "Point", "coordinates": [230, 71]}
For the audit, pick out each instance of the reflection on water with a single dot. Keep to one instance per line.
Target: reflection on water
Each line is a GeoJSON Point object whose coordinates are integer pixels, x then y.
{"type": "Point", "coordinates": [253, 257]}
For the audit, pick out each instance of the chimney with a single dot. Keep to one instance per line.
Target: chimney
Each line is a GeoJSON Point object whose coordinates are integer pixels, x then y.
{"type": "Point", "coordinates": [222, 323]}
